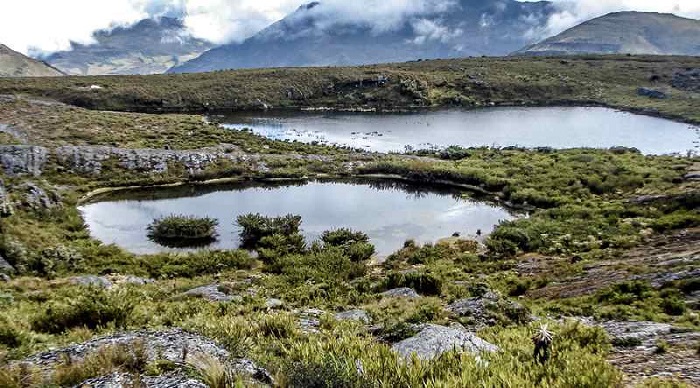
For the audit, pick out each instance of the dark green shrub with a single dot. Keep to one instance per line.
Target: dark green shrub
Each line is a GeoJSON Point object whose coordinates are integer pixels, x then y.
{"type": "Point", "coordinates": [10, 335]}
{"type": "Point", "coordinates": [91, 309]}
{"type": "Point", "coordinates": [626, 342]}
{"type": "Point", "coordinates": [188, 265]}
{"type": "Point", "coordinates": [422, 282]}
{"type": "Point", "coordinates": [277, 245]}
{"type": "Point", "coordinates": [254, 227]}
{"type": "Point", "coordinates": [625, 293]}
{"type": "Point", "coordinates": [359, 252]}
{"type": "Point", "coordinates": [183, 231]}
{"type": "Point", "coordinates": [328, 372]}
{"type": "Point", "coordinates": [342, 237]}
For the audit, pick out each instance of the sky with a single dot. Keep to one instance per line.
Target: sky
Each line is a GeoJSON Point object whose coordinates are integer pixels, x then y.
{"type": "Point", "coordinates": [42, 26]}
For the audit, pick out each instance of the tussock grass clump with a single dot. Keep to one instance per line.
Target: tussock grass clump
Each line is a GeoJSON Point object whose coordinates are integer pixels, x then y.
{"type": "Point", "coordinates": [90, 308]}
{"type": "Point", "coordinates": [255, 227]}
{"type": "Point", "coordinates": [131, 358]}
{"type": "Point", "coordinates": [183, 231]}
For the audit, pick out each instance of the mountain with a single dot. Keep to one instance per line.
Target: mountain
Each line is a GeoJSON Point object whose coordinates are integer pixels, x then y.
{"type": "Point", "coordinates": [313, 35]}
{"type": "Point", "coordinates": [148, 47]}
{"type": "Point", "coordinates": [14, 64]}
{"type": "Point", "coordinates": [625, 33]}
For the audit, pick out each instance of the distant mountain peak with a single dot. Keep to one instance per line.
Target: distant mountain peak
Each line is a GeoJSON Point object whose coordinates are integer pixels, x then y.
{"type": "Point", "coordinates": [16, 64]}
{"type": "Point", "coordinates": [627, 32]}
{"type": "Point", "coordinates": [314, 36]}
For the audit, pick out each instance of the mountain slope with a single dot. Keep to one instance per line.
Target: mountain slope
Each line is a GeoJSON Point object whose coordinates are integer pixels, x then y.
{"type": "Point", "coordinates": [314, 36]}
{"type": "Point", "coordinates": [625, 33]}
{"type": "Point", "coordinates": [14, 64]}
{"type": "Point", "coordinates": [148, 47]}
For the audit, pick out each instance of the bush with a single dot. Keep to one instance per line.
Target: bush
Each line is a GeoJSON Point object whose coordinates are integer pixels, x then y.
{"type": "Point", "coordinates": [423, 283]}
{"type": "Point", "coordinates": [354, 244]}
{"type": "Point", "coordinates": [189, 265]}
{"type": "Point", "coordinates": [91, 309]}
{"type": "Point", "coordinates": [254, 227]}
{"type": "Point", "coordinates": [278, 245]}
{"type": "Point", "coordinates": [183, 231]}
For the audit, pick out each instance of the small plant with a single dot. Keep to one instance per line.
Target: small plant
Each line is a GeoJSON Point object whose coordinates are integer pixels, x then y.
{"type": "Point", "coordinates": [214, 373]}
{"type": "Point", "coordinates": [543, 344]}
{"type": "Point", "coordinates": [626, 342]}
{"type": "Point", "coordinates": [183, 231]}
{"type": "Point", "coordinates": [662, 347]}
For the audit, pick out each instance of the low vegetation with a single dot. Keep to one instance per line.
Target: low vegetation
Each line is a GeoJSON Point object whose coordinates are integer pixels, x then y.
{"type": "Point", "coordinates": [183, 231]}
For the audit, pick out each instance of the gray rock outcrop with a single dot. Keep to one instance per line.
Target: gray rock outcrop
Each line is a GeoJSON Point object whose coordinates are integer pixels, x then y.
{"type": "Point", "coordinates": [5, 267]}
{"type": "Point", "coordinates": [125, 380]}
{"type": "Point", "coordinates": [353, 315]}
{"type": "Point", "coordinates": [652, 93]}
{"type": "Point", "coordinates": [213, 293]}
{"type": "Point", "coordinates": [6, 208]}
{"type": "Point", "coordinates": [434, 340]}
{"type": "Point", "coordinates": [37, 198]}
{"type": "Point", "coordinates": [92, 281]}
{"type": "Point", "coordinates": [23, 159]}
{"type": "Point", "coordinates": [400, 293]}
{"type": "Point", "coordinates": [687, 80]}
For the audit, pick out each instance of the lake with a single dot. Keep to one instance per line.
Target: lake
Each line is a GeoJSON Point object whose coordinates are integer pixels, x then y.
{"type": "Point", "coordinates": [557, 127]}
{"type": "Point", "coordinates": [390, 212]}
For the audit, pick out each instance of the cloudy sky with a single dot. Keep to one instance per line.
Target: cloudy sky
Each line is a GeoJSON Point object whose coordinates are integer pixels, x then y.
{"type": "Point", "coordinates": [42, 26]}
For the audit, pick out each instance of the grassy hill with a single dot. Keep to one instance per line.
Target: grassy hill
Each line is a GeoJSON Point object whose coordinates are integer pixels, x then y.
{"type": "Point", "coordinates": [14, 64]}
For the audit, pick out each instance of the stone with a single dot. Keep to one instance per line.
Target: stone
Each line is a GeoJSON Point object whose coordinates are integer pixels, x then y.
{"type": "Point", "coordinates": [125, 380]}
{"type": "Point", "coordinates": [400, 293]}
{"type": "Point", "coordinates": [19, 160]}
{"type": "Point", "coordinates": [651, 93]}
{"type": "Point", "coordinates": [5, 267]}
{"type": "Point", "coordinates": [4, 277]}
{"type": "Point", "coordinates": [37, 198]}
{"type": "Point", "coordinates": [213, 293]}
{"type": "Point", "coordinates": [354, 315]}
{"type": "Point", "coordinates": [309, 319]}
{"type": "Point", "coordinates": [6, 208]}
{"type": "Point", "coordinates": [692, 176]}
{"type": "Point", "coordinates": [273, 303]}
{"type": "Point", "coordinates": [135, 280]}
{"type": "Point", "coordinates": [92, 281]}
{"type": "Point", "coordinates": [434, 340]}
{"type": "Point", "coordinates": [687, 80]}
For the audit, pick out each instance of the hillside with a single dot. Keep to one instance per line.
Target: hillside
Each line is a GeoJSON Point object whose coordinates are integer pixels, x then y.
{"type": "Point", "coordinates": [314, 36]}
{"type": "Point", "coordinates": [14, 64]}
{"type": "Point", "coordinates": [625, 33]}
{"type": "Point", "coordinates": [148, 47]}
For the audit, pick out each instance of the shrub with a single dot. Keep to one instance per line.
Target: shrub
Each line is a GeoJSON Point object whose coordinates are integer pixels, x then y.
{"type": "Point", "coordinates": [130, 358]}
{"type": "Point", "coordinates": [188, 265]}
{"type": "Point", "coordinates": [342, 237]}
{"type": "Point", "coordinates": [422, 282]}
{"type": "Point", "coordinates": [183, 231]}
{"type": "Point", "coordinates": [91, 308]}
{"type": "Point", "coordinates": [254, 227]}
{"type": "Point", "coordinates": [278, 245]}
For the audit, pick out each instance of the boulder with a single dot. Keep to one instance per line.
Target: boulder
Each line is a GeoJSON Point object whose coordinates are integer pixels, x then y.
{"type": "Point", "coordinates": [400, 293]}
{"type": "Point", "coordinates": [4, 277]}
{"type": "Point", "coordinates": [651, 93]}
{"type": "Point", "coordinates": [92, 281]}
{"type": "Point", "coordinates": [687, 80]}
{"type": "Point", "coordinates": [6, 208]}
{"type": "Point", "coordinates": [5, 267]}
{"type": "Point", "coordinates": [273, 303]}
{"type": "Point", "coordinates": [37, 198]}
{"type": "Point", "coordinates": [23, 160]}
{"type": "Point", "coordinates": [125, 380]}
{"type": "Point", "coordinates": [135, 280]}
{"type": "Point", "coordinates": [213, 293]}
{"type": "Point", "coordinates": [353, 315]}
{"type": "Point", "coordinates": [434, 340]}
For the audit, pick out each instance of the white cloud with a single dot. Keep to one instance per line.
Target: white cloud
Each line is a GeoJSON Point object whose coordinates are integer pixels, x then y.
{"type": "Point", "coordinates": [428, 30]}
{"type": "Point", "coordinates": [34, 26]}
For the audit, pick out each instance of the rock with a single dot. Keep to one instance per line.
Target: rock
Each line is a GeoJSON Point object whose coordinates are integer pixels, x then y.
{"type": "Point", "coordinates": [125, 380]}
{"type": "Point", "coordinates": [434, 340]}
{"type": "Point", "coordinates": [213, 293]}
{"type": "Point", "coordinates": [5, 267]}
{"type": "Point", "coordinates": [687, 80]}
{"type": "Point", "coordinates": [14, 132]}
{"type": "Point", "coordinates": [400, 293]}
{"type": "Point", "coordinates": [4, 277]}
{"type": "Point", "coordinates": [23, 160]}
{"type": "Point", "coordinates": [353, 315]}
{"type": "Point", "coordinates": [651, 93]}
{"type": "Point", "coordinates": [487, 309]}
{"type": "Point", "coordinates": [137, 280]}
{"type": "Point", "coordinates": [309, 320]}
{"type": "Point", "coordinates": [92, 281]}
{"type": "Point", "coordinates": [248, 367]}
{"type": "Point", "coordinates": [273, 303]}
{"type": "Point", "coordinates": [692, 176]}
{"type": "Point", "coordinates": [37, 198]}
{"type": "Point", "coordinates": [6, 208]}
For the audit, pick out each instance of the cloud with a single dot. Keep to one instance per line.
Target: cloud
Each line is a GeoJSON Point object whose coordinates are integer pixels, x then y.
{"type": "Point", "coordinates": [428, 31]}
{"type": "Point", "coordinates": [42, 26]}
{"type": "Point", "coordinates": [573, 12]}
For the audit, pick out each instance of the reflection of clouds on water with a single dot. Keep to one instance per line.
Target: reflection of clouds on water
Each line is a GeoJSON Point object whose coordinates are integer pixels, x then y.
{"type": "Point", "coordinates": [390, 212]}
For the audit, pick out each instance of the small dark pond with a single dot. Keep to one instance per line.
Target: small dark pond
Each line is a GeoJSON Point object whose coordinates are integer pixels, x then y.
{"type": "Point", "coordinates": [390, 212]}
{"type": "Point", "coordinates": [557, 127]}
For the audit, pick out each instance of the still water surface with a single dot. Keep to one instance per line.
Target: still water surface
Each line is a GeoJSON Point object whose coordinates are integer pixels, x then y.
{"type": "Point", "coordinates": [565, 127]}
{"type": "Point", "coordinates": [389, 212]}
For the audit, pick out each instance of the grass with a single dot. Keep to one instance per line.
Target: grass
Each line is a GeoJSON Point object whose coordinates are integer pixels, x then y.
{"type": "Point", "coordinates": [183, 231]}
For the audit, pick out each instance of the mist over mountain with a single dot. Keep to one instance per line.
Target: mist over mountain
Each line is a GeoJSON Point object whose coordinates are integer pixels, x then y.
{"type": "Point", "coordinates": [317, 34]}
{"type": "Point", "coordinates": [15, 64]}
{"type": "Point", "coordinates": [150, 46]}
{"type": "Point", "coordinates": [625, 33]}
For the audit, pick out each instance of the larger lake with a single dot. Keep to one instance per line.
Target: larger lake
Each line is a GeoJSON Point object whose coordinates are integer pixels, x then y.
{"type": "Point", "coordinates": [389, 212]}
{"type": "Point", "coordinates": [525, 127]}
